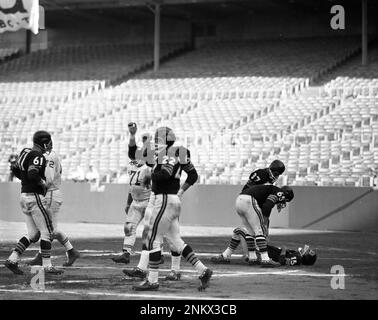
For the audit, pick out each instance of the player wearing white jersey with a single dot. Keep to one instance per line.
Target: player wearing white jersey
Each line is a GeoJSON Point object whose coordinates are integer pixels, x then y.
{"type": "Point", "coordinates": [140, 191]}
{"type": "Point", "coordinates": [53, 174]}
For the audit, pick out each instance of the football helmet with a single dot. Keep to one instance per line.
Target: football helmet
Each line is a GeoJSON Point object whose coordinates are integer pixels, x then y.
{"type": "Point", "coordinates": [308, 255]}
{"type": "Point", "coordinates": [164, 138]}
{"type": "Point", "coordinates": [288, 192]}
{"type": "Point", "coordinates": [277, 168]}
{"type": "Point", "coordinates": [43, 140]}
{"type": "Point", "coordinates": [137, 163]}
{"type": "Point", "coordinates": [146, 138]}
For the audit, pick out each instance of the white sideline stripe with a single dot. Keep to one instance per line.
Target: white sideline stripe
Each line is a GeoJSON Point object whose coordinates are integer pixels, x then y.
{"type": "Point", "coordinates": [222, 274]}
{"type": "Point", "coordinates": [113, 294]}
{"type": "Point", "coordinates": [103, 253]}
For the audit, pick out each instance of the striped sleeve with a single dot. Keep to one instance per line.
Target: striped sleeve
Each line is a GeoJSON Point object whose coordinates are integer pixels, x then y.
{"type": "Point", "coordinates": [273, 198]}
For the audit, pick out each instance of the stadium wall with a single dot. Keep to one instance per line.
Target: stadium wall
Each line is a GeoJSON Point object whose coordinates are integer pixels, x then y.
{"type": "Point", "coordinates": [336, 208]}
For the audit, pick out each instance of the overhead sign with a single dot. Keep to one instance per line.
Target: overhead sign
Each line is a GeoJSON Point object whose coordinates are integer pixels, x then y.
{"type": "Point", "coordinates": [19, 14]}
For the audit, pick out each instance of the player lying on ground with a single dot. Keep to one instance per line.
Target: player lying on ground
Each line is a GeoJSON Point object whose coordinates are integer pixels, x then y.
{"type": "Point", "coordinates": [30, 168]}
{"type": "Point", "coordinates": [282, 255]}
{"type": "Point", "coordinates": [53, 173]}
{"type": "Point", "coordinates": [260, 177]}
{"type": "Point", "coordinates": [170, 161]}
{"type": "Point", "coordinates": [254, 206]}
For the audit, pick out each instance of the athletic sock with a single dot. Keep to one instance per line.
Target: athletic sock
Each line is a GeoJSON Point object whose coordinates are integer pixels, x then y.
{"type": "Point", "coordinates": [63, 240]}
{"type": "Point", "coordinates": [143, 261]}
{"type": "Point", "coordinates": [252, 255]}
{"type": "Point", "coordinates": [67, 244]}
{"type": "Point", "coordinates": [46, 253]}
{"type": "Point", "coordinates": [127, 249]}
{"type": "Point", "coordinates": [14, 257]}
{"type": "Point", "coordinates": [175, 262]}
{"type": "Point", "coordinates": [191, 257]}
{"type": "Point", "coordinates": [264, 256]}
{"type": "Point", "coordinates": [21, 246]}
{"type": "Point", "coordinates": [129, 241]}
{"type": "Point", "coordinates": [228, 253]}
{"type": "Point", "coordinates": [153, 266]}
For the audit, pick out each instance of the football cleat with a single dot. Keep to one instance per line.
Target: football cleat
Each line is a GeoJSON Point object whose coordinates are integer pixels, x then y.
{"type": "Point", "coordinates": [269, 263]}
{"type": "Point", "coordinates": [146, 286]}
{"type": "Point", "coordinates": [135, 273]}
{"type": "Point", "coordinates": [37, 260]}
{"type": "Point", "coordinates": [220, 260]}
{"type": "Point", "coordinates": [254, 262]}
{"type": "Point", "coordinates": [123, 258]}
{"type": "Point", "coordinates": [72, 255]}
{"type": "Point", "coordinates": [173, 276]}
{"type": "Point", "coordinates": [53, 271]}
{"type": "Point", "coordinates": [205, 279]}
{"type": "Point", "coordinates": [13, 266]}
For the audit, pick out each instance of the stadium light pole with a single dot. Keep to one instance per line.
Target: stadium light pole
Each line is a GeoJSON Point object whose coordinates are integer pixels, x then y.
{"type": "Point", "coordinates": [157, 38]}
{"type": "Point", "coordinates": [28, 41]}
{"type": "Point", "coordinates": [364, 46]}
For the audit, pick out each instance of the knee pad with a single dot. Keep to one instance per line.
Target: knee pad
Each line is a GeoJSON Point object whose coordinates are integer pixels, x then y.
{"type": "Point", "coordinates": [47, 236]}
{"type": "Point", "coordinates": [175, 246]}
{"type": "Point", "coordinates": [145, 233]}
{"type": "Point", "coordinates": [129, 228]}
{"type": "Point", "coordinates": [241, 231]}
{"type": "Point", "coordinates": [156, 245]}
{"type": "Point", "coordinates": [35, 237]}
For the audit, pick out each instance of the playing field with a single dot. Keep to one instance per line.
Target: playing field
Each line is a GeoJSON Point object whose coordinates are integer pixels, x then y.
{"type": "Point", "coordinates": [96, 276]}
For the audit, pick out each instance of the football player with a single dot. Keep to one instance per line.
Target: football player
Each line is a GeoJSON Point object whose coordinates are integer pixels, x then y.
{"type": "Point", "coordinates": [166, 206]}
{"type": "Point", "coordinates": [289, 257]}
{"type": "Point", "coordinates": [53, 173]}
{"type": "Point", "coordinates": [30, 169]}
{"type": "Point", "coordinates": [139, 191]}
{"type": "Point", "coordinates": [267, 175]}
{"type": "Point", "coordinates": [254, 206]}
{"type": "Point", "coordinates": [146, 154]}
{"type": "Point", "coordinates": [258, 177]}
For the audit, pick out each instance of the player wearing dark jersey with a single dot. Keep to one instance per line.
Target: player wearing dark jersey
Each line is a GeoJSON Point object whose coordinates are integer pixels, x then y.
{"type": "Point", "coordinates": [31, 170]}
{"type": "Point", "coordinates": [170, 161]}
{"type": "Point", "coordinates": [282, 255]}
{"type": "Point", "coordinates": [265, 176]}
{"type": "Point", "coordinates": [258, 177]}
{"type": "Point", "coordinates": [254, 206]}
{"type": "Point", "coordinates": [289, 257]}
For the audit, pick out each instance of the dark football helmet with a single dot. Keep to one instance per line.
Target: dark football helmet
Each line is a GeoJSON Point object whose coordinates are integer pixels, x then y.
{"type": "Point", "coordinates": [164, 138]}
{"type": "Point", "coordinates": [277, 168]}
{"type": "Point", "coordinates": [308, 255]}
{"type": "Point", "coordinates": [146, 138]}
{"type": "Point", "coordinates": [288, 192]}
{"type": "Point", "coordinates": [43, 140]}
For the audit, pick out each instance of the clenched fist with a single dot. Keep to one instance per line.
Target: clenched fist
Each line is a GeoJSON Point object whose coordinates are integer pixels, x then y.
{"type": "Point", "coordinates": [132, 128]}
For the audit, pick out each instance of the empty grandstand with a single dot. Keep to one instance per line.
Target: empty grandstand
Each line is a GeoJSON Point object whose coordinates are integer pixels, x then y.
{"type": "Point", "coordinates": [237, 104]}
